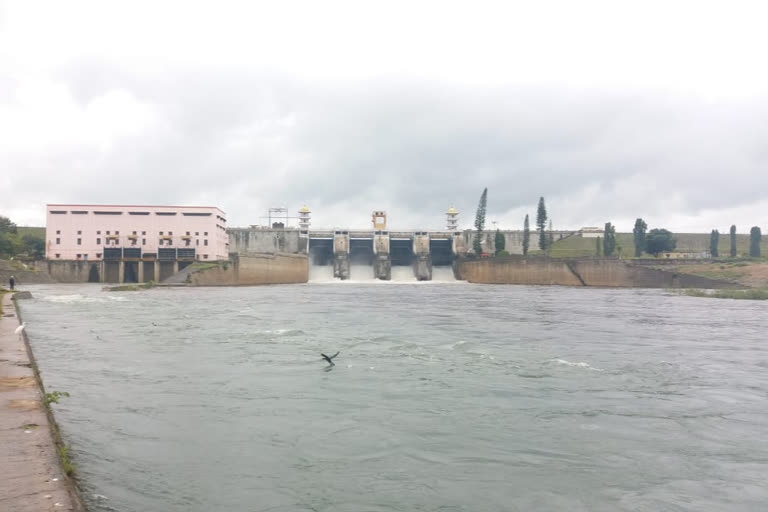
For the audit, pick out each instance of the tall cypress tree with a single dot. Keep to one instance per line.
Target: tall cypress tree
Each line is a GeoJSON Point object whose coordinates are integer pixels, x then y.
{"type": "Point", "coordinates": [714, 240]}
{"type": "Point", "coordinates": [733, 241]}
{"type": "Point", "coordinates": [499, 242]}
{"type": "Point", "coordinates": [526, 235]}
{"type": "Point", "coordinates": [598, 247]}
{"type": "Point", "coordinates": [639, 236]}
{"type": "Point", "coordinates": [541, 223]}
{"type": "Point", "coordinates": [754, 242]}
{"type": "Point", "coordinates": [480, 222]}
{"type": "Point", "coordinates": [609, 243]}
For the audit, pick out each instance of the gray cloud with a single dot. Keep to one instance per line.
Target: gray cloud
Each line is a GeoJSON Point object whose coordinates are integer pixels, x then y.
{"type": "Point", "coordinates": [245, 141]}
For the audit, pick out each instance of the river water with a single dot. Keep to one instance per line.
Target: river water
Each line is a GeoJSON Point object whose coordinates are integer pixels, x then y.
{"type": "Point", "coordinates": [445, 397]}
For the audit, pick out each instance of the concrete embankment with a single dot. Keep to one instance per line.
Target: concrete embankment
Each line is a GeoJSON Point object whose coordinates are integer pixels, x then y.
{"type": "Point", "coordinates": [579, 272]}
{"type": "Point", "coordinates": [246, 270]}
{"type": "Point", "coordinates": [31, 478]}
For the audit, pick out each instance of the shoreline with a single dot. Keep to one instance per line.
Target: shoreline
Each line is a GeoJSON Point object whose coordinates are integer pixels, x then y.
{"type": "Point", "coordinates": [33, 478]}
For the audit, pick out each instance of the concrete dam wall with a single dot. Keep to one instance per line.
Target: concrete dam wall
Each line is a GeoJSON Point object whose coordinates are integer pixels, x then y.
{"type": "Point", "coordinates": [586, 272]}
{"type": "Point", "coordinates": [248, 270]}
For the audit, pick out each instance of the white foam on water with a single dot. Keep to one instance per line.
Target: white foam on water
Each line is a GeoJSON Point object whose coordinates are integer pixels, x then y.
{"type": "Point", "coordinates": [580, 364]}
{"type": "Point", "coordinates": [71, 299]}
{"type": "Point", "coordinates": [403, 273]}
{"type": "Point", "coordinates": [321, 274]}
{"type": "Point", "coordinates": [361, 274]}
{"type": "Point", "coordinates": [443, 274]}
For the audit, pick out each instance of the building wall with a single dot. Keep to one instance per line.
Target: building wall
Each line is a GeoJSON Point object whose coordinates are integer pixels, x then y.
{"type": "Point", "coordinates": [92, 224]}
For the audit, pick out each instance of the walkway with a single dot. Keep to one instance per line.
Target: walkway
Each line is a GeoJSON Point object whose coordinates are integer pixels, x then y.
{"type": "Point", "coordinates": [30, 476]}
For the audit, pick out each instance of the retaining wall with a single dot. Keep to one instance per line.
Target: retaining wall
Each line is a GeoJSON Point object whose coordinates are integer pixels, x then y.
{"type": "Point", "coordinates": [253, 269]}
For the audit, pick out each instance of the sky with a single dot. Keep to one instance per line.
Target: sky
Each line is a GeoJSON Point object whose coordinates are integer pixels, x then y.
{"type": "Point", "coordinates": [610, 110]}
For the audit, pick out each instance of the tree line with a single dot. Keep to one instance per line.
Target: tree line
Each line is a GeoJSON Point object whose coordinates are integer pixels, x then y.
{"type": "Point", "coordinates": [14, 244]}
{"type": "Point", "coordinates": [655, 241]}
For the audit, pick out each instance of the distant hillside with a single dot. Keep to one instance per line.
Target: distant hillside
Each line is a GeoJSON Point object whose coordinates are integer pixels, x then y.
{"type": "Point", "coordinates": [38, 232]}
{"type": "Point", "coordinates": [577, 246]}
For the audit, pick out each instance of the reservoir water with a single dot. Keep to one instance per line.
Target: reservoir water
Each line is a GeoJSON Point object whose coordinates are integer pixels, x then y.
{"type": "Point", "coordinates": [445, 397]}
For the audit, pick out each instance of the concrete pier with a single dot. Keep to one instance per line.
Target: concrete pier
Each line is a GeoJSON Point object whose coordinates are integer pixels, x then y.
{"type": "Point", "coordinates": [341, 255]}
{"type": "Point", "coordinates": [382, 264]}
{"type": "Point", "coordinates": [32, 479]}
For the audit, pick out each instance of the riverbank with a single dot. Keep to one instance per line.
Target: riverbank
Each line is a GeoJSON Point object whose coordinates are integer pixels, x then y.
{"type": "Point", "coordinates": [32, 478]}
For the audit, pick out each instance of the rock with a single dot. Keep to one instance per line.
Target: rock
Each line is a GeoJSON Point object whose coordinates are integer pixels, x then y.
{"type": "Point", "coordinates": [22, 295]}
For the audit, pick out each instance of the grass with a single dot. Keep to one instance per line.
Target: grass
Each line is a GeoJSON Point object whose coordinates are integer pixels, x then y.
{"type": "Point", "coordinates": [54, 396]}
{"type": "Point", "coordinates": [66, 464]}
{"type": "Point", "coordinates": [751, 294]}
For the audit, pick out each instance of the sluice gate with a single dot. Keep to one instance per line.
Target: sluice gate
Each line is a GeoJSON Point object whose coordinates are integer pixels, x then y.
{"type": "Point", "coordinates": [381, 251]}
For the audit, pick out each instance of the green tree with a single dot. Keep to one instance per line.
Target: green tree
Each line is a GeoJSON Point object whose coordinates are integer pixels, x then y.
{"type": "Point", "coordinates": [7, 226]}
{"type": "Point", "coordinates": [526, 235]}
{"type": "Point", "coordinates": [550, 237]}
{"type": "Point", "coordinates": [733, 241]}
{"type": "Point", "coordinates": [499, 242]}
{"type": "Point", "coordinates": [541, 223]}
{"type": "Point", "coordinates": [609, 243]}
{"type": "Point", "coordinates": [34, 246]}
{"type": "Point", "coordinates": [714, 240]}
{"type": "Point", "coordinates": [598, 247]}
{"type": "Point", "coordinates": [639, 236]}
{"type": "Point", "coordinates": [754, 242]}
{"type": "Point", "coordinates": [480, 222]}
{"type": "Point", "coordinates": [658, 241]}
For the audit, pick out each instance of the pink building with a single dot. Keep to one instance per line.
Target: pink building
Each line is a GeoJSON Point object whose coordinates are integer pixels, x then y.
{"type": "Point", "coordinates": [129, 234]}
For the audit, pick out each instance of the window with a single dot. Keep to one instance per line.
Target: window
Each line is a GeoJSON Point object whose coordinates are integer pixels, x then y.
{"type": "Point", "coordinates": [79, 232]}
{"type": "Point", "coordinates": [79, 256]}
{"type": "Point", "coordinates": [107, 232]}
{"type": "Point", "coordinates": [58, 255]}
{"type": "Point", "coordinates": [143, 241]}
{"type": "Point", "coordinates": [205, 242]}
{"type": "Point", "coordinates": [108, 213]}
{"type": "Point", "coordinates": [134, 232]}
{"type": "Point", "coordinates": [117, 232]}
{"type": "Point", "coordinates": [58, 241]}
{"type": "Point", "coordinates": [187, 242]}
{"type": "Point", "coordinates": [170, 242]}
{"type": "Point", "coordinates": [79, 241]}
{"type": "Point", "coordinates": [143, 232]}
{"type": "Point", "coordinates": [197, 242]}
{"type": "Point", "coordinates": [170, 232]}
{"type": "Point", "coordinates": [187, 233]}
{"type": "Point", "coordinates": [58, 231]}
{"type": "Point", "coordinates": [138, 213]}
{"type": "Point", "coordinates": [160, 242]}
{"type": "Point", "coordinates": [98, 241]}
{"type": "Point", "coordinates": [99, 232]}
{"type": "Point", "coordinates": [133, 241]}
{"type": "Point", "coordinates": [205, 233]}
{"type": "Point", "coordinates": [98, 255]}
{"type": "Point", "coordinates": [197, 233]}
{"type": "Point", "coordinates": [58, 212]}
{"type": "Point", "coordinates": [196, 214]}
{"type": "Point", "coordinates": [205, 256]}
{"type": "Point", "coordinates": [165, 213]}
{"type": "Point", "coordinates": [80, 212]}
{"type": "Point", "coordinates": [161, 233]}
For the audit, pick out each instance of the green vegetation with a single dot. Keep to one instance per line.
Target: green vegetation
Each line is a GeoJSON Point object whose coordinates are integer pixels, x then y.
{"type": "Point", "coordinates": [66, 464]}
{"type": "Point", "coordinates": [598, 247]}
{"type": "Point", "coordinates": [526, 235]}
{"type": "Point", "coordinates": [22, 243]}
{"type": "Point", "coordinates": [499, 242]}
{"type": "Point", "coordinates": [714, 241]}
{"type": "Point", "coordinates": [54, 396]}
{"type": "Point", "coordinates": [733, 241]}
{"type": "Point", "coordinates": [609, 243]}
{"type": "Point", "coordinates": [541, 223]}
{"type": "Point", "coordinates": [658, 241]}
{"type": "Point", "coordinates": [639, 236]}
{"type": "Point", "coordinates": [480, 222]}
{"type": "Point", "coordinates": [754, 242]}
{"type": "Point", "coordinates": [751, 294]}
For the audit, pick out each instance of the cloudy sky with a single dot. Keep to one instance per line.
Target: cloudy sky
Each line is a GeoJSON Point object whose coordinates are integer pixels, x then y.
{"type": "Point", "coordinates": [610, 110]}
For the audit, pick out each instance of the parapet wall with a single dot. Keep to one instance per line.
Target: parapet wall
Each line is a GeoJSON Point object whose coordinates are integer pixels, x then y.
{"type": "Point", "coordinates": [586, 272]}
{"type": "Point", "coordinates": [264, 240]}
{"type": "Point", "coordinates": [71, 271]}
{"type": "Point", "coordinates": [254, 269]}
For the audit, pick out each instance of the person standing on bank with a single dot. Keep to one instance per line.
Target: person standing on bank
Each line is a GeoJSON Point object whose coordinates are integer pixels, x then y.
{"type": "Point", "coordinates": [12, 282]}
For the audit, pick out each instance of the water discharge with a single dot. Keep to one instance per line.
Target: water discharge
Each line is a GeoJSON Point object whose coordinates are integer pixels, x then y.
{"type": "Point", "coordinates": [446, 396]}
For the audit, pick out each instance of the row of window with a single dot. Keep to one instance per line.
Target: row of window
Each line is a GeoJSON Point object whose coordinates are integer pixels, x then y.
{"type": "Point", "coordinates": [162, 214]}
{"type": "Point", "coordinates": [170, 233]}
{"type": "Point", "coordinates": [169, 241]}
{"type": "Point", "coordinates": [98, 256]}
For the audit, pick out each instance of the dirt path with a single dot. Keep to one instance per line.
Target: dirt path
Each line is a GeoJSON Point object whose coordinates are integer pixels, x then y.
{"type": "Point", "coordinates": [30, 474]}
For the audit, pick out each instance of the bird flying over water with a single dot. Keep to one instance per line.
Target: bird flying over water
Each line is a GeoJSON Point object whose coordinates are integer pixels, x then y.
{"type": "Point", "coordinates": [330, 358]}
